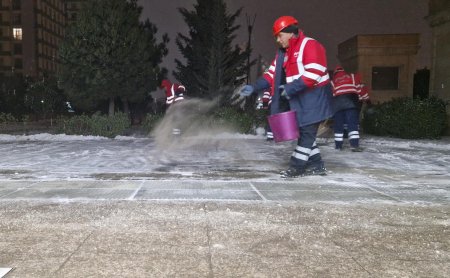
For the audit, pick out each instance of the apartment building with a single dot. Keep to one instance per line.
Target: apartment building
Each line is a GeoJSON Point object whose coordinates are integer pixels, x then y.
{"type": "Point", "coordinates": [73, 7]}
{"type": "Point", "coordinates": [30, 32]}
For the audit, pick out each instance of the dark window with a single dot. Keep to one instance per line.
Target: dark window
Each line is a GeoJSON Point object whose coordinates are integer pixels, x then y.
{"type": "Point", "coordinates": [18, 63]}
{"type": "Point", "coordinates": [17, 48]}
{"type": "Point", "coordinates": [385, 78]}
{"type": "Point", "coordinates": [17, 19]}
{"type": "Point", "coordinates": [73, 16]}
{"type": "Point", "coordinates": [16, 4]}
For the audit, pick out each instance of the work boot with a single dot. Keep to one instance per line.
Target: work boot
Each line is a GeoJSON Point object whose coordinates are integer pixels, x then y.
{"type": "Point", "coordinates": [316, 170]}
{"type": "Point", "coordinates": [356, 149]}
{"type": "Point", "coordinates": [292, 172]}
{"type": "Point", "coordinates": [176, 131]}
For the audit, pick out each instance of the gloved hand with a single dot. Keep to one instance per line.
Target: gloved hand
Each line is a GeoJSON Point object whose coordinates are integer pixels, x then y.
{"type": "Point", "coordinates": [246, 91]}
{"type": "Point", "coordinates": [283, 92]}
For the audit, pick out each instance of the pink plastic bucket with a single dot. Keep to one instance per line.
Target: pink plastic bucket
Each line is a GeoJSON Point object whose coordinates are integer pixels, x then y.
{"type": "Point", "coordinates": [284, 126]}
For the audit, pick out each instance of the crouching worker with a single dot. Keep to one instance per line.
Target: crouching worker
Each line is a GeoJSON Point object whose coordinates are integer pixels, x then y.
{"type": "Point", "coordinates": [299, 75]}
{"type": "Point", "coordinates": [174, 93]}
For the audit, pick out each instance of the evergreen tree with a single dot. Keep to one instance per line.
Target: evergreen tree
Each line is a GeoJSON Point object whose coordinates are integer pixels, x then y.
{"type": "Point", "coordinates": [108, 54]}
{"type": "Point", "coordinates": [213, 64]}
{"type": "Point", "coordinates": [12, 95]}
{"type": "Point", "coordinates": [44, 97]}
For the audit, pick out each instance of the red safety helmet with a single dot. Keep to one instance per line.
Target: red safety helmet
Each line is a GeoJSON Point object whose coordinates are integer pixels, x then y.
{"type": "Point", "coordinates": [283, 22]}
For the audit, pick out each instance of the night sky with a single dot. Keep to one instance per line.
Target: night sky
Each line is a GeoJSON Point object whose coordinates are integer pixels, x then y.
{"type": "Point", "coordinates": [329, 21]}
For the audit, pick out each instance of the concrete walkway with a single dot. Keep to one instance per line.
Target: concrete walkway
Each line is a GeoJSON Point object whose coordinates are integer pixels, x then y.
{"type": "Point", "coordinates": [310, 189]}
{"type": "Point", "coordinates": [116, 208]}
{"type": "Point", "coordinates": [168, 228]}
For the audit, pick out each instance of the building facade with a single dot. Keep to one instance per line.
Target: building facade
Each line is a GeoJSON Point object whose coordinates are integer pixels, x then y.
{"type": "Point", "coordinates": [439, 20]}
{"type": "Point", "coordinates": [386, 62]}
{"type": "Point", "coordinates": [73, 7]}
{"type": "Point", "coordinates": [30, 32]}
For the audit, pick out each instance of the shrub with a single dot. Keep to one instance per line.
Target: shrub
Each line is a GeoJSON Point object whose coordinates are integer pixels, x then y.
{"type": "Point", "coordinates": [97, 125]}
{"type": "Point", "coordinates": [407, 118]}
{"type": "Point", "coordinates": [243, 121]}
{"type": "Point", "coordinates": [150, 121]}
{"type": "Point", "coordinates": [7, 118]}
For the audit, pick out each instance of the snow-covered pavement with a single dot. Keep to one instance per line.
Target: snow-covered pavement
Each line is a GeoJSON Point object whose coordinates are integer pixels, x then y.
{"type": "Point", "coordinates": [215, 206]}
{"type": "Point", "coordinates": [392, 169]}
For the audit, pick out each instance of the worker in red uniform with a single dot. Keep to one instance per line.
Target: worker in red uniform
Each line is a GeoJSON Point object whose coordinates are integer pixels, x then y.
{"type": "Point", "coordinates": [348, 92]}
{"type": "Point", "coordinates": [174, 93]}
{"type": "Point", "coordinates": [299, 75]}
{"type": "Point", "coordinates": [266, 102]}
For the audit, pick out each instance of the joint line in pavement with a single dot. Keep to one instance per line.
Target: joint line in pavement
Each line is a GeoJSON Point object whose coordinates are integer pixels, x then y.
{"type": "Point", "coordinates": [257, 192]}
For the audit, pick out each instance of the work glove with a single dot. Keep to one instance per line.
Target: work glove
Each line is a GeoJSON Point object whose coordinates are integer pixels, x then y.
{"type": "Point", "coordinates": [283, 92]}
{"type": "Point", "coordinates": [246, 91]}
{"type": "Point", "coordinates": [369, 108]}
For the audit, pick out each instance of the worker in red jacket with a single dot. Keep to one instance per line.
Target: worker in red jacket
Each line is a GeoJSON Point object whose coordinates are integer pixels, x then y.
{"type": "Point", "coordinates": [299, 75]}
{"type": "Point", "coordinates": [266, 102]}
{"type": "Point", "coordinates": [174, 93]}
{"type": "Point", "coordinates": [348, 92]}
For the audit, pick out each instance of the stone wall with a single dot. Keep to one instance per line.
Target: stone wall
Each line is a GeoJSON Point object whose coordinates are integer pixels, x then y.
{"type": "Point", "coordinates": [439, 20]}
{"type": "Point", "coordinates": [364, 52]}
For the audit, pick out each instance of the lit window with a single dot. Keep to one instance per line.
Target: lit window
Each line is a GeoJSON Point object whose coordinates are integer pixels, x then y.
{"type": "Point", "coordinates": [17, 33]}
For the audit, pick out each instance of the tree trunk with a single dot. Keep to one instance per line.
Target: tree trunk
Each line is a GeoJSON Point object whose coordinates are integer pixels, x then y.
{"type": "Point", "coordinates": [126, 106]}
{"type": "Point", "coordinates": [111, 107]}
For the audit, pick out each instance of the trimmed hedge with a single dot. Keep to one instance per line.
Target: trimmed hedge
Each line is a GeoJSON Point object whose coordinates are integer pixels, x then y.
{"type": "Point", "coordinates": [96, 125]}
{"type": "Point", "coordinates": [242, 121]}
{"type": "Point", "coordinates": [407, 118]}
{"type": "Point", "coordinates": [151, 121]}
{"type": "Point", "coordinates": [7, 118]}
